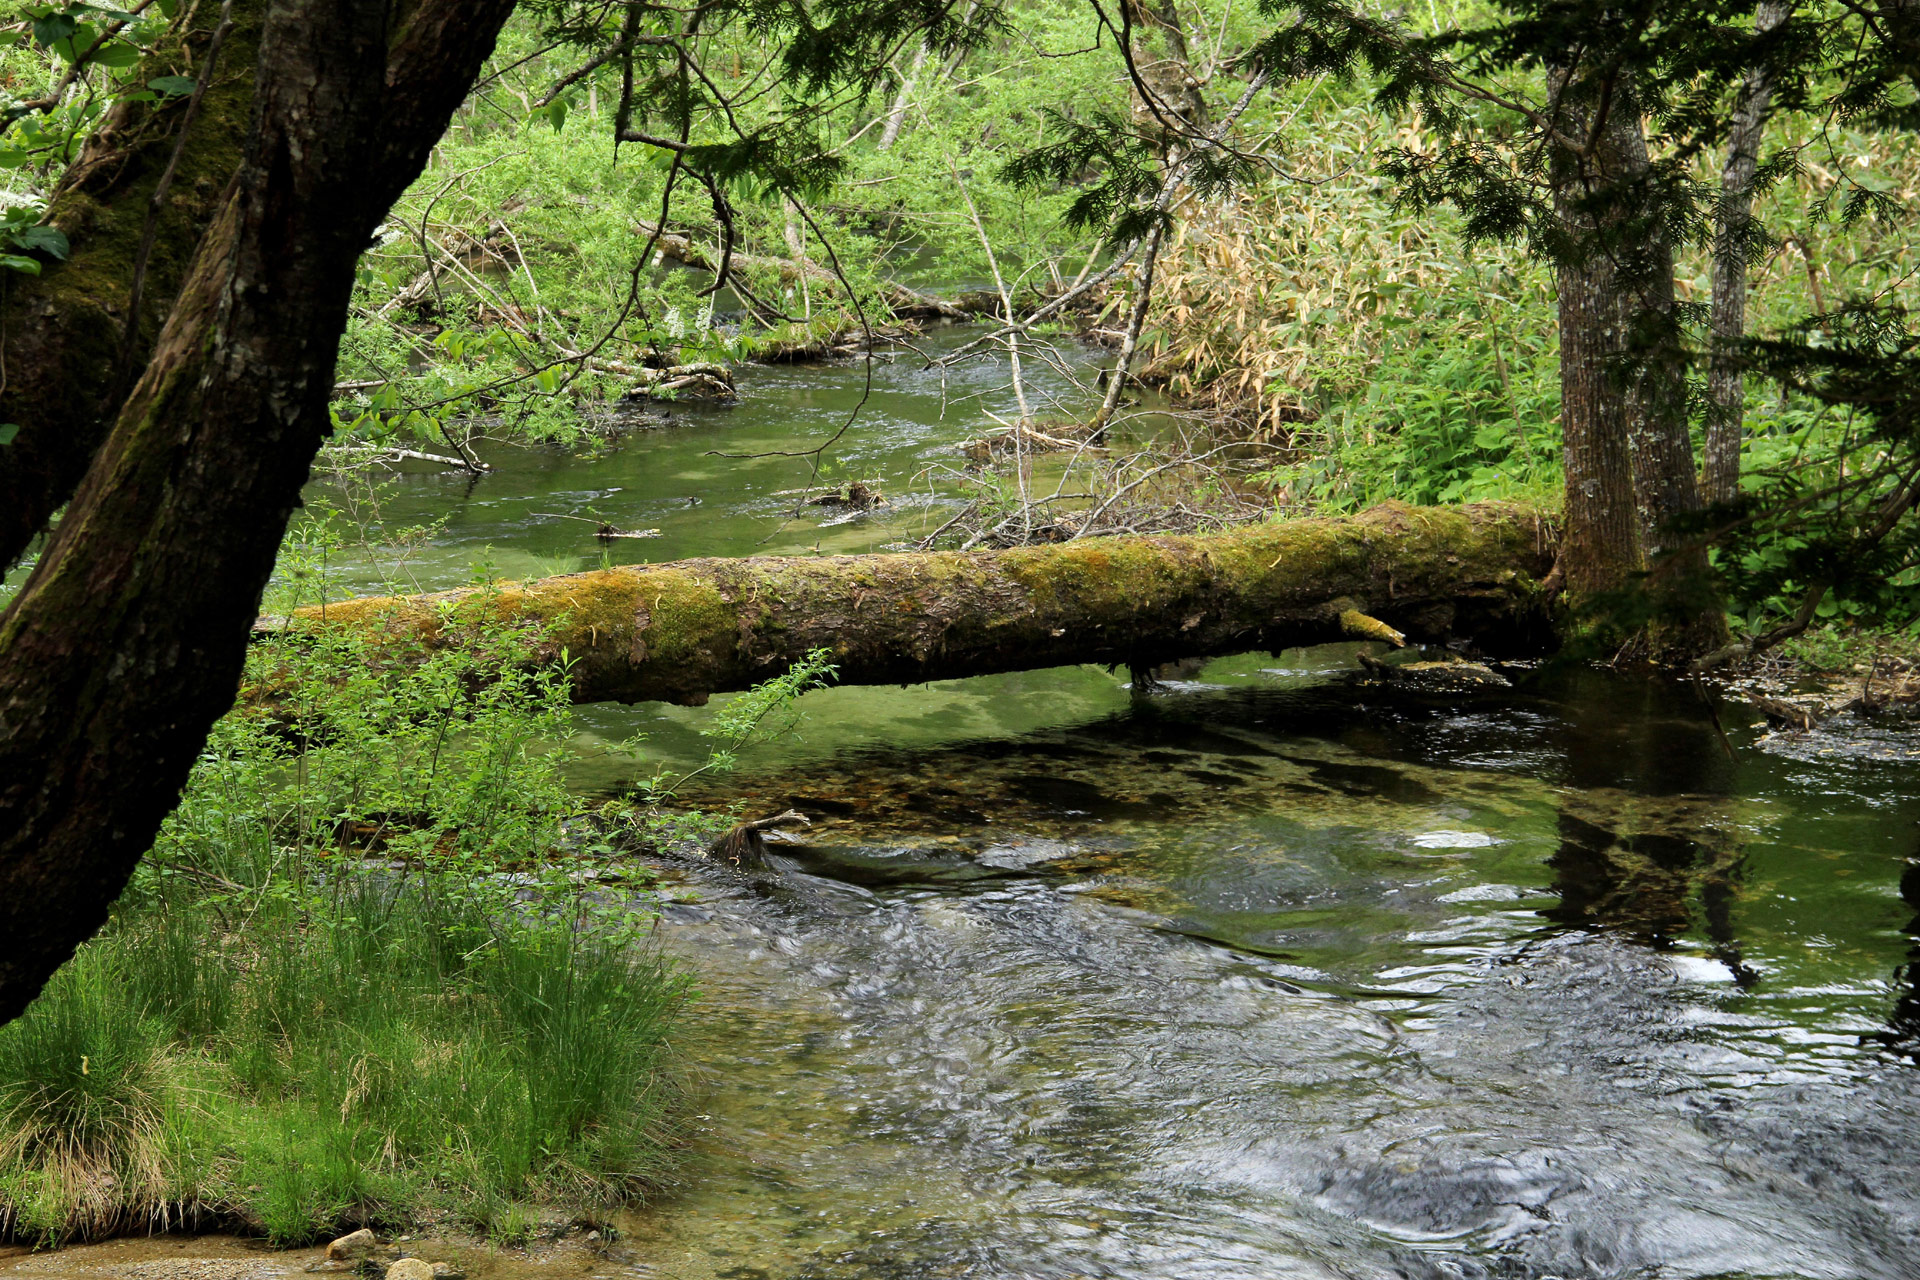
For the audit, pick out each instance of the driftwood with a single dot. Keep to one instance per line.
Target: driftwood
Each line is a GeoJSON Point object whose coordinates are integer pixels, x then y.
{"type": "Point", "coordinates": [858, 497]}
{"type": "Point", "coordinates": [1032, 440]}
{"type": "Point", "coordinates": [1784, 715]}
{"type": "Point", "coordinates": [745, 845]}
{"type": "Point", "coordinates": [678, 632]}
{"type": "Point", "coordinates": [702, 380]}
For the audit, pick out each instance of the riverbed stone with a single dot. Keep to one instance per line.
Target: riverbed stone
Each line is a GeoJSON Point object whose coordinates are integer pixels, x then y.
{"type": "Point", "coordinates": [355, 1247]}
{"type": "Point", "coordinates": [410, 1269]}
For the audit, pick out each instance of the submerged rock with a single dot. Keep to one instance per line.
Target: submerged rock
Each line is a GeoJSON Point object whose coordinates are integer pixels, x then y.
{"type": "Point", "coordinates": [1431, 677]}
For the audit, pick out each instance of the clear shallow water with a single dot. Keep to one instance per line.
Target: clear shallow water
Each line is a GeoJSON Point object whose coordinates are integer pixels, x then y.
{"type": "Point", "coordinates": [1263, 976]}
{"type": "Point", "coordinates": [1257, 981]}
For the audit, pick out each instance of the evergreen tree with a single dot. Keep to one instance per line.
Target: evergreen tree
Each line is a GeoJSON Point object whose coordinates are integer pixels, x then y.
{"type": "Point", "coordinates": [1583, 131]}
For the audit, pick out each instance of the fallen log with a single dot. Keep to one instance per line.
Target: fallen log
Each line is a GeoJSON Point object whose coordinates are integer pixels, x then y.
{"type": "Point", "coordinates": [678, 632]}
{"type": "Point", "coordinates": [702, 380]}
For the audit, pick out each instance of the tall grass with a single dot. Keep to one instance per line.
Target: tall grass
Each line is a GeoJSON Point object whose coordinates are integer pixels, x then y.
{"type": "Point", "coordinates": [354, 982]}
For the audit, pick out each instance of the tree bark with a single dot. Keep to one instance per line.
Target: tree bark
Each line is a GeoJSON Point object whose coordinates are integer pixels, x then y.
{"type": "Point", "coordinates": [62, 332]}
{"type": "Point", "coordinates": [1726, 386]}
{"type": "Point", "coordinates": [1167, 73]}
{"type": "Point", "coordinates": [128, 639]}
{"type": "Point", "coordinates": [1628, 458]}
{"type": "Point", "coordinates": [678, 632]}
{"type": "Point", "coordinates": [897, 113]}
{"type": "Point", "coordinates": [1600, 549]}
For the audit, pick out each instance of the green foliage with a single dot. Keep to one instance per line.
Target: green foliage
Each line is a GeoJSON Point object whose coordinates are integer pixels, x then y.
{"type": "Point", "coordinates": [766, 712]}
{"type": "Point", "coordinates": [1829, 488]}
{"type": "Point", "coordinates": [379, 1048]}
{"type": "Point", "coordinates": [357, 979]}
{"type": "Point", "coordinates": [22, 235]}
{"type": "Point", "coordinates": [86, 1102]}
{"type": "Point", "coordinates": [74, 60]}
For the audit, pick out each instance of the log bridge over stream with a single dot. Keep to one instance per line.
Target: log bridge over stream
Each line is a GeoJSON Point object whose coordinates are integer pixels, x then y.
{"type": "Point", "coordinates": [678, 632]}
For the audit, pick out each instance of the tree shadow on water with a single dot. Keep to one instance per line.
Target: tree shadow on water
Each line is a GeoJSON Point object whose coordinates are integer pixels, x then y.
{"type": "Point", "coordinates": [1648, 842]}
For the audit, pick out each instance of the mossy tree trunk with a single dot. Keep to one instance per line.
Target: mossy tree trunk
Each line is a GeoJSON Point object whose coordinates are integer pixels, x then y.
{"type": "Point", "coordinates": [64, 334]}
{"type": "Point", "coordinates": [1598, 313]}
{"type": "Point", "coordinates": [126, 643]}
{"type": "Point", "coordinates": [678, 632]}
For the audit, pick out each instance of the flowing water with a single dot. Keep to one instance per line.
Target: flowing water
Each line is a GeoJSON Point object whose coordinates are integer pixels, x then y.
{"type": "Point", "coordinates": [1260, 976]}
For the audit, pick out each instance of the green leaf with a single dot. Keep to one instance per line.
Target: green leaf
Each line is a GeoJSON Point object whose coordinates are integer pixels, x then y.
{"type": "Point", "coordinates": [10, 158]}
{"type": "Point", "coordinates": [77, 42]}
{"type": "Point", "coordinates": [8, 430]}
{"type": "Point", "coordinates": [48, 240]}
{"type": "Point", "coordinates": [53, 28]}
{"type": "Point", "coordinates": [173, 86]}
{"type": "Point", "coordinates": [557, 113]}
{"type": "Point", "coordinates": [116, 54]}
{"type": "Point", "coordinates": [14, 262]}
{"type": "Point", "coordinates": [1492, 436]}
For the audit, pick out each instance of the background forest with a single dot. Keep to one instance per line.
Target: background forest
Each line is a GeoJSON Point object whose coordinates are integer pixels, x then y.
{"type": "Point", "coordinates": [1374, 332]}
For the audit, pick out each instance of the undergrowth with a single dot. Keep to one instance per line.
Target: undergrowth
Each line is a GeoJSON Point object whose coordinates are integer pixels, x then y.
{"type": "Point", "coordinates": [359, 979]}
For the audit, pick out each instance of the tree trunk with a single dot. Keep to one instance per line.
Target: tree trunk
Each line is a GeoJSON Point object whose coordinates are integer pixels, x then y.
{"type": "Point", "coordinates": [897, 113]}
{"type": "Point", "coordinates": [1628, 459]}
{"type": "Point", "coordinates": [61, 333]}
{"type": "Point", "coordinates": [1600, 549]}
{"type": "Point", "coordinates": [128, 639]}
{"type": "Point", "coordinates": [679, 632]}
{"type": "Point", "coordinates": [1726, 387]}
{"type": "Point", "coordinates": [1166, 72]}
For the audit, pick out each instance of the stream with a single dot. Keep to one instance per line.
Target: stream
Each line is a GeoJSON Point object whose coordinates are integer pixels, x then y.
{"type": "Point", "coordinates": [1261, 975]}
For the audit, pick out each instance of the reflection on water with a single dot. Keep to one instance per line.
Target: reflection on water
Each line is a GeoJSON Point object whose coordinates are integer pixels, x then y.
{"type": "Point", "coordinates": [1272, 981]}
{"type": "Point", "coordinates": [1262, 976]}
{"type": "Point", "coordinates": [1903, 1028]}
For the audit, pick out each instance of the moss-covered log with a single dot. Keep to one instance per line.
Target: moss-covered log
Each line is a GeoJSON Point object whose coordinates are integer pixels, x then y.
{"type": "Point", "coordinates": [681, 631]}
{"type": "Point", "coordinates": [63, 333]}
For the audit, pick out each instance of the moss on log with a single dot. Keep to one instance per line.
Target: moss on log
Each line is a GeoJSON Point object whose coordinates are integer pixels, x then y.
{"type": "Point", "coordinates": [678, 632]}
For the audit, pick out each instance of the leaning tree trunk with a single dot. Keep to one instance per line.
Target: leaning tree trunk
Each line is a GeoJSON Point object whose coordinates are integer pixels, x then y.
{"type": "Point", "coordinates": [63, 334]}
{"type": "Point", "coordinates": [127, 641]}
{"type": "Point", "coordinates": [1726, 386]}
{"type": "Point", "coordinates": [679, 632]}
